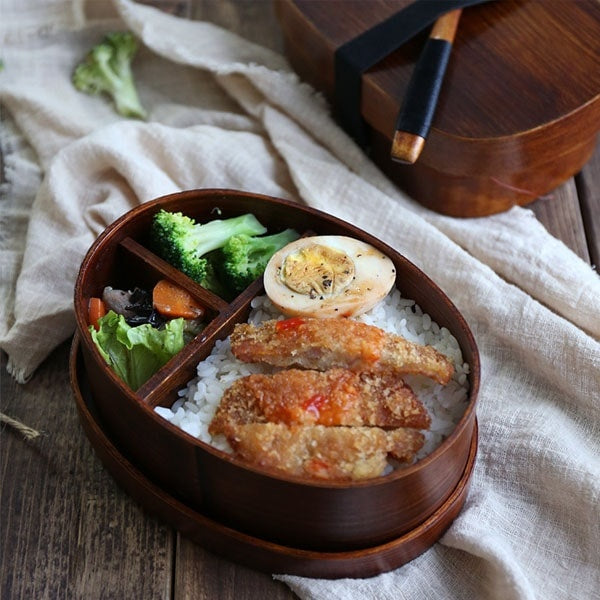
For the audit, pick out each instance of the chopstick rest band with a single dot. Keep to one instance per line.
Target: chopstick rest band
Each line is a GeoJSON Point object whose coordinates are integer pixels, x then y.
{"type": "Point", "coordinates": [355, 57]}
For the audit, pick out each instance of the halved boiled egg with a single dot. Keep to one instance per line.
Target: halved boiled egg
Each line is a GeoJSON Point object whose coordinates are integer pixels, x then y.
{"type": "Point", "coordinates": [328, 276]}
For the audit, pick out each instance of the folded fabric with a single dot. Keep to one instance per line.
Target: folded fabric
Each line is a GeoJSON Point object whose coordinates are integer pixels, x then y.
{"type": "Point", "coordinates": [226, 113]}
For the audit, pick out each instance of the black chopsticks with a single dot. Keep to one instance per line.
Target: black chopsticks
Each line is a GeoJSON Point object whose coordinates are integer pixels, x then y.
{"type": "Point", "coordinates": [420, 101]}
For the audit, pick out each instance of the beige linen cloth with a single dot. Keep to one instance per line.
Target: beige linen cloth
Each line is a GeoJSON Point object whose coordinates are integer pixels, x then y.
{"type": "Point", "coordinates": [226, 113]}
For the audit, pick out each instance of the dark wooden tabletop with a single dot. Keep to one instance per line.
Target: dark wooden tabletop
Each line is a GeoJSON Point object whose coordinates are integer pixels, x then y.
{"type": "Point", "coordinates": [67, 530]}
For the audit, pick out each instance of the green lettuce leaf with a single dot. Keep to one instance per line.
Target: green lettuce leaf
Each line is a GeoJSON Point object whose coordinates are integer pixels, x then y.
{"type": "Point", "coordinates": [136, 353]}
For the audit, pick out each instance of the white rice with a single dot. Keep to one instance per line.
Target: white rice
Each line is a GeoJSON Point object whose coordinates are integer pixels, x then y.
{"type": "Point", "coordinates": [197, 403]}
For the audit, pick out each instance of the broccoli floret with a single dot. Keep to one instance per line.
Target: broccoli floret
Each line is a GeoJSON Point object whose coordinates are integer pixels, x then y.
{"type": "Point", "coordinates": [212, 281]}
{"type": "Point", "coordinates": [182, 242]}
{"type": "Point", "coordinates": [107, 68]}
{"type": "Point", "coordinates": [245, 257]}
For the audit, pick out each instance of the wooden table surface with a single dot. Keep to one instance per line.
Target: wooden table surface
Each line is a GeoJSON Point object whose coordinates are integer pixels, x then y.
{"type": "Point", "coordinates": [67, 531]}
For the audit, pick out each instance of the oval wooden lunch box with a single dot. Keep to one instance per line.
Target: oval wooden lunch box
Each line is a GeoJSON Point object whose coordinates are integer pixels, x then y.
{"type": "Point", "coordinates": [298, 513]}
{"type": "Point", "coordinates": [249, 550]}
{"type": "Point", "coordinates": [519, 108]}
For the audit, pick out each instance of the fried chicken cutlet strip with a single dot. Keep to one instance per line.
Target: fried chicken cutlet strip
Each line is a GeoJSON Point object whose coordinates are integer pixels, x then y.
{"type": "Point", "coordinates": [318, 451]}
{"type": "Point", "coordinates": [323, 344]}
{"type": "Point", "coordinates": [334, 397]}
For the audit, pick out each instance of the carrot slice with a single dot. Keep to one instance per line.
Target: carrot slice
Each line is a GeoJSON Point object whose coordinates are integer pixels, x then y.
{"type": "Point", "coordinates": [173, 301]}
{"type": "Point", "coordinates": [96, 310]}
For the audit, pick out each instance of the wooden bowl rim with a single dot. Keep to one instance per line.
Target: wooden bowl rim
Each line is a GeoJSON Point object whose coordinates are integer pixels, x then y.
{"type": "Point", "coordinates": [207, 193]}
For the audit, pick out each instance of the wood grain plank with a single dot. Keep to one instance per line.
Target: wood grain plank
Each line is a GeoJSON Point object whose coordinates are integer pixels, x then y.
{"type": "Point", "coordinates": [204, 576]}
{"type": "Point", "coordinates": [559, 212]}
{"type": "Point", "coordinates": [178, 8]}
{"type": "Point", "coordinates": [588, 188]}
{"type": "Point", "coordinates": [66, 529]}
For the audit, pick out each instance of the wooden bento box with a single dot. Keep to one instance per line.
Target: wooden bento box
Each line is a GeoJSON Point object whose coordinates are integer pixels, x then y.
{"type": "Point", "coordinates": [519, 107]}
{"type": "Point", "coordinates": [298, 524]}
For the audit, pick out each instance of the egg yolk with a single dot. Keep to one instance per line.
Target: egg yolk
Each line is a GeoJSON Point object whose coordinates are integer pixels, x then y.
{"type": "Point", "coordinates": [317, 271]}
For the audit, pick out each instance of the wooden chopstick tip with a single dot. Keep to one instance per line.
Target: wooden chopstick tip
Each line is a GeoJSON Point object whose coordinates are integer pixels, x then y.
{"type": "Point", "coordinates": [445, 27]}
{"type": "Point", "coordinates": [406, 147]}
